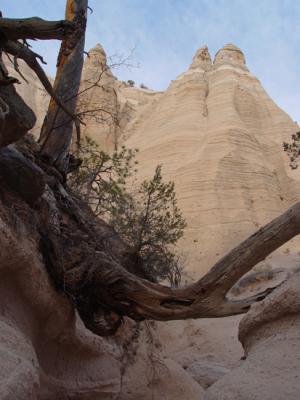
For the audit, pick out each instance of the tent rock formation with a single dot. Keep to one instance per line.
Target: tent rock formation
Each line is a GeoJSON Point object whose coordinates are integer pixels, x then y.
{"type": "Point", "coordinates": [218, 135]}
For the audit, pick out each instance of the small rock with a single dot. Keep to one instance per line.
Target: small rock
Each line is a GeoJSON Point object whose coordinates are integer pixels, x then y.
{"type": "Point", "coordinates": [206, 373]}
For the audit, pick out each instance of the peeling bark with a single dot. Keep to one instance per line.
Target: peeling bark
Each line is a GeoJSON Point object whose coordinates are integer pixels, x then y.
{"type": "Point", "coordinates": [105, 290]}
{"type": "Point", "coordinates": [57, 129]}
{"type": "Point", "coordinates": [89, 263]}
{"type": "Point", "coordinates": [35, 28]}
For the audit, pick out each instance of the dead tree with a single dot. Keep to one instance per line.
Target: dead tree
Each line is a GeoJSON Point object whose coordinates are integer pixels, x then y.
{"type": "Point", "coordinates": [57, 128]}
{"type": "Point", "coordinates": [86, 260]}
{"type": "Point", "coordinates": [36, 28]}
{"type": "Point", "coordinates": [11, 31]}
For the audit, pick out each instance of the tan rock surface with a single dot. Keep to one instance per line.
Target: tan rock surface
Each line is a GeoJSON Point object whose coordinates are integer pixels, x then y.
{"type": "Point", "coordinates": [270, 335]}
{"type": "Point", "coordinates": [45, 351]}
{"type": "Point", "coordinates": [215, 130]}
{"type": "Point", "coordinates": [219, 136]}
{"type": "Point", "coordinates": [98, 87]}
{"type": "Point", "coordinates": [211, 341]}
{"type": "Point", "coordinates": [31, 91]}
{"type": "Point", "coordinates": [43, 354]}
{"type": "Point", "coordinates": [106, 103]}
{"type": "Point", "coordinates": [150, 374]}
{"type": "Point", "coordinates": [109, 104]}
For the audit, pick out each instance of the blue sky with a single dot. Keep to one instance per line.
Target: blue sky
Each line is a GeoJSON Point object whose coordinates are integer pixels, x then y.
{"type": "Point", "coordinates": [166, 34]}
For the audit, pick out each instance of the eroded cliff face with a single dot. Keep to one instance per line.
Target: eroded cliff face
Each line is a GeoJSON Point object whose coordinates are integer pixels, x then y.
{"type": "Point", "coordinates": [219, 136]}
{"type": "Point", "coordinates": [46, 352]}
{"type": "Point", "coordinates": [108, 104]}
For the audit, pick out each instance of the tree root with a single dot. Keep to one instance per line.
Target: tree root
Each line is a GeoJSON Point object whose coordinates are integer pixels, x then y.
{"type": "Point", "coordinates": [89, 263]}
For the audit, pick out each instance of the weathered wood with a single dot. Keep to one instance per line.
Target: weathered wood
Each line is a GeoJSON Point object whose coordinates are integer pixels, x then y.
{"type": "Point", "coordinates": [88, 261]}
{"type": "Point", "coordinates": [254, 249]}
{"type": "Point", "coordinates": [35, 28]}
{"type": "Point", "coordinates": [57, 129]}
{"type": "Point", "coordinates": [82, 254]}
{"type": "Point", "coordinates": [20, 51]}
{"type": "Point", "coordinates": [104, 289]}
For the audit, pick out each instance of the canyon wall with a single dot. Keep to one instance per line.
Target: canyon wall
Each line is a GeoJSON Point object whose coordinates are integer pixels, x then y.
{"type": "Point", "coordinates": [219, 136]}
{"type": "Point", "coordinates": [215, 131]}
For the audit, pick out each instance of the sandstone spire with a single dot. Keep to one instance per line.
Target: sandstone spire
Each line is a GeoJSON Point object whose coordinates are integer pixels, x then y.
{"type": "Point", "coordinates": [219, 137]}
{"type": "Point", "coordinates": [201, 58]}
{"type": "Point", "coordinates": [97, 56]}
{"type": "Point", "coordinates": [230, 54]}
{"type": "Point", "coordinates": [96, 66]}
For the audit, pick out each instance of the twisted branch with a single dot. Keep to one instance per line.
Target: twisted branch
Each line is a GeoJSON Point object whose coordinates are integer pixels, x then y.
{"type": "Point", "coordinates": [109, 290]}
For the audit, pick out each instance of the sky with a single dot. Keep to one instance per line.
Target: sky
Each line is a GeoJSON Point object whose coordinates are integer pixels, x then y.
{"type": "Point", "coordinates": [162, 36]}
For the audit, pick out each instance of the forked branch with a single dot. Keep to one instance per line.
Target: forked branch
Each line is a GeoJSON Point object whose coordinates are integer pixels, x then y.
{"type": "Point", "coordinates": [109, 290]}
{"type": "Point", "coordinates": [13, 30]}
{"type": "Point", "coordinates": [18, 50]}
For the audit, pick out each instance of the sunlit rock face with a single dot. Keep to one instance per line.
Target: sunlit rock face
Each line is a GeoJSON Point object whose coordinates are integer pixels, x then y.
{"type": "Point", "coordinates": [31, 90]}
{"type": "Point", "coordinates": [110, 103]}
{"type": "Point", "coordinates": [219, 136]}
{"type": "Point", "coordinates": [201, 59]}
{"type": "Point", "coordinates": [97, 101]}
{"type": "Point", "coordinates": [96, 59]}
{"type": "Point", "coordinates": [230, 54]}
{"type": "Point", "coordinates": [216, 132]}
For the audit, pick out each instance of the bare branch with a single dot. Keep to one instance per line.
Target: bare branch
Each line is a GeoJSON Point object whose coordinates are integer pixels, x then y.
{"type": "Point", "coordinates": [109, 286]}
{"type": "Point", "coordinates": [17, 69]}
{"type": "Point", "coordinates": [20, 51]}
{"type": "Point", "coordinates": [112, 64]}
{"type": "Point", "coordinates": [104, 291]}
{"type": "Point", "coordinates": [35, 28]}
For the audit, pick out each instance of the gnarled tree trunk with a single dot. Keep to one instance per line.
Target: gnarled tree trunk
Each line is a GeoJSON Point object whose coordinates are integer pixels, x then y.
{"type": "Point", "coordinates": [89, 263]}
{"type": "Point", "coordinates": [83, 255]}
